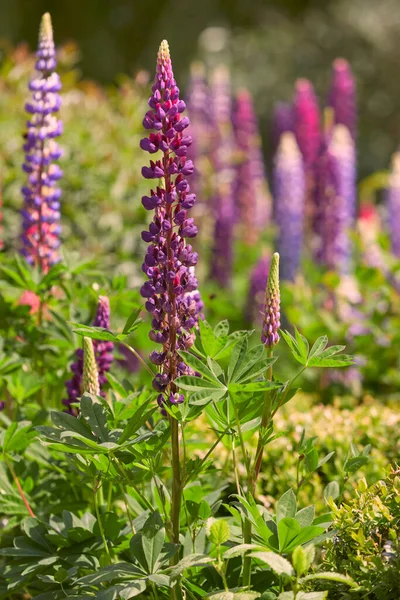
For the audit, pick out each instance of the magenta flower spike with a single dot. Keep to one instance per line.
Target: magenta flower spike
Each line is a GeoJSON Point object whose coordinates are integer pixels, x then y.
{"type": "Point", "coordinates": [103, 352]}
{"type": "Point", "coordinates": [393, 204]}
{"type": "Point", "coordinates": [289, 197]}
{"type": "Point", "coordinates": [336, 200]}
{"type": "Point", "coordinates": [41, 212]}
{"type": "Point", "coordinates": [221, 261]}
{"type": "Point", "coordinates": [272, 315]}
{"type": "Point", "coordinates": [342, 95]}
{"type": "Point", "coordinates": [307, 121]}
{"type": "Point", "coordinates": [251, 190]}
{"type": "Point", "coordinates": [169, 257]}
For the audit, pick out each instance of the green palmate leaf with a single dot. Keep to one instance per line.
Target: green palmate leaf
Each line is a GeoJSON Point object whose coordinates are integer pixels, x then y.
{"type": "Point", "coordinates": [116, 385]}
{"type": "Point", "coordinates": [221, 329]}
{"type": "Point", "coordinates": [95, 333]}
{"type": "Point", "coordinates": [332, 490]}
{"type": "Point", "coordinates": [302, 345]}
{"type": "Point", "coordinates": [110, 573]}
{"type": "Point", "coordinates": [241, 549]}
{"type": "Point", "coordinates": [277, 563]}
{"type": "Point", "coordinates": [354, 463]}
{"type": "Point", "coordinates": [199, 366]}
{"type": "Point", "coordinates": [189, 561]}
{"type": "Point", "coordinates": [305, 516]}
{"type": "Point", "coordinates": [133, 321]}
{"type": "Point", "coordinates": [319, 346]}
{"type": "Point", "coordinates": [70, 423]}
{"type": "Point", "coordinates": [312, 595]}
{"type": "Point", "coordinates": [137, 420]}
{"type": "Point", "coordinates": [328, 358]}
{"type": "Point", "coordinates": [286, 506]}
{"type": "Point", "coordinates": [292, 343]}
{"type": "Point", "coordinates": [256, 386]}
{"type": "Point", "coordinates": [311, 460]}
{"type": "Point", "coordinates": [195, 384]}
{"type": "Point", "coordinates": [330, 576]}
{"type": "Point", "coordinates": [95, 416]}
{"type": "Point", "coordinates": [238, 353]}
{"type": "Point", "coordinates": [18, 436]}
{"type": "Point", "coordinates": [325, 459]}
{"type": "Point", "coordinates": [219, 532]}
{"type": "Point", "coordinates": [288, 529]}
{"type": "Point", "coordinates": [148, 543]}
{"type": "Point", "coordinates": [211, 343]}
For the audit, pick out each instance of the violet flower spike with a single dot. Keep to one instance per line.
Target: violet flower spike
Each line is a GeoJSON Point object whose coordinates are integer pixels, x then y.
{"type": "Point", "coordinates": [289, 198]}
{"type": "Point", "coordinates": [251, 193]}
{"type": "Point", "coordinates": [169, 257]}
{"type": "Point", "coordinates": [342, 95]}
{"type": "Point", "coordinates": [41, 212]}
{"type": "Point", "coordinates": [271, 324]}
{"type": "Point", "coordinates": [336, 201]}
{"type": "Point", "coordinates": [103, 351]}
{"type": "Point", "coordinates": [393, 204]}
{"type": "Point", "coordinates": [282, 121]}
{"type": "Point", "coordinates": [222, 256]}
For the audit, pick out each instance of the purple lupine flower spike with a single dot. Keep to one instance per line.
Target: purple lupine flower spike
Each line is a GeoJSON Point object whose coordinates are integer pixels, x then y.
{"type": "Point", "coordinates": [272, 314]}
{"type": "Point", "coordinates": [103, 353]}
{"type": "Point", "coordinates": [255, 296]}
{"type": "Point", "coordinates": [253, 200]}
{"type": "Point", "coordinates": [307, 119]}
{"type": "Point", "coordinates": [336, 200]}
{"type": "Point", "coordinates": [41, 212]}
{"type": "Point", "coordinates": [221, 263]}
{"type": "Point", "coordinates": [393, 204]}
{"type": "Point", "coordinates": [282, 120]}
{"type": "Point", "coordinates": [169, 257]}
{"type": "Point", "coordinates": [289, 197]}
{"type": "Point", "coordinates": [342, 95]}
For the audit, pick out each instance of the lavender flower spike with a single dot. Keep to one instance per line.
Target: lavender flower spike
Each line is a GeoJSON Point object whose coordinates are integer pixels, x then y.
{"type": "Point", "coordinates": [169, 257]}
{"type": "Point", "coordinates": [221, 264]}
{"type": "Point", "coordinates": [393, 204]}
{"type": "Point", "coordinates": [104, 358]}
{"type": "Point", "coordinates": [90, 382]}
{"type": "Point", "coordinates": [282, 121]}
{"type": "Point", "coordinates": [272, 315]}
{"type": "Point", "coordinates": [289, 196]}
{"type": "Point", "coordinates": [256, 293]}
{"type": "Point", "coordinates": [41, 213]}
{"type": "Point", "coordinates": [342, 95]}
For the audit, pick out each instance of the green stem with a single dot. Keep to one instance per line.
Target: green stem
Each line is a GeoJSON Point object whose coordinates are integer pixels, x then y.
{"type": "Point", "coordinates": [176, 500]}
{"type": "Point", "coordinates": [96, 506]}
{"type": "Point", "coordinates": [140, 359]}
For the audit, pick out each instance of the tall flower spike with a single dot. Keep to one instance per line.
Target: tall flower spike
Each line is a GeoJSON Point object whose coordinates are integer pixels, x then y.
{"type": "Point", "coordinates": [103, 354]}
{"type": "Point", "coordinates": [251, 193]}
{"type": "Point", "coordinates": [307, 119]}
{"type": "Point", "coordinates": [282, 121]}
{"type": "Point", "coordinates": [272, 315]}
{"type": "Point", "coordinates": [41, 212]}
{"type": "Point", "coordinates": [336, 200]}
{"type": "Point", "coordinates": [90, 381]}
{"type": "Point", "coordinates": [221, 263]}
{"type": "Point", "coordinates": [342, 95]}
{"type": "Point", "coordinates": [169, 257]}
{"type": "Point", "coordinates": [289, 197]}
{"type": "Point", "coordinates": [393, 204]}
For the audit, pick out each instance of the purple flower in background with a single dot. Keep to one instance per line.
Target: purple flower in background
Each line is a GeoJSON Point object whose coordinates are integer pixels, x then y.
{"type": "Point", "coordinates": [221, 262]}
{"type": "Point", "coordinates": [272, 315]}
{"type": "Point", "coordinates": [342, 95]}
{"type": "Point", "coordinates": [255, 296]}
{"type": "Point", "coordinates": [336, 200]}
{"type": "Point", "coordinates": [289, 197]}
{"type": "Point", "coordinates": [307, 119]}
{"type": "Point", "coordinates": [41, 211]}
{"type": "Point", "coordinates": [251, 194]}
{"type": "Point", "coordinates": [169, 257]}
{"type": "Point", "coordinates": [282, 121]}
{"type": "Point", "coordinates": [103, 353]}
{"type": "Point", "coordinates": [393, 204]}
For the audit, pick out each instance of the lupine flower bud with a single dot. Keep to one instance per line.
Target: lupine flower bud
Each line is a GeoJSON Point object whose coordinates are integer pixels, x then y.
{"type": "Point", "coordinates": [169, 257]}
{"type": "Point", "coordinates": [41, 212]}
{"type": "Point", "coordinates": [282, 121]}
{"type": "Point", "coordinates": [289, 197]}
{"type": "Point", "coordinates": [251, 193]}
{"type": "Point", "coordinates": [336, 200]}
{"type": "Point", "coordinates": [103, 354]}
{"type": "Point", "coordinates": [256, 293]}
{"type": "Point", "coordinates": [307, 121]}
{"type": "Point", "coordinates": [90, 381]}
{"type": "Point", "coordinates": [221, 262]}
{"type": "Point", "coordinates": [342, 95]}
{"type": "Point", "coordinates": [272, 315]}
{"type": "Point", "coordinates": [393, 204]}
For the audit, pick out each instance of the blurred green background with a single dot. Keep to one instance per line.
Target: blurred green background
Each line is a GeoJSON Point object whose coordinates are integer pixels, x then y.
{"type": "Point", "coordinates": [268, 43]}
